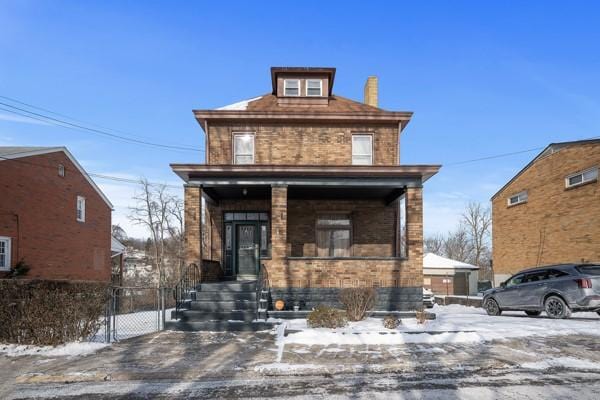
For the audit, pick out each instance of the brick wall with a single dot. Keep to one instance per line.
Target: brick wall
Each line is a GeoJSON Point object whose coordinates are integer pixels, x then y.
{"type": "Point", "coordinates": [40, 218]}
{"type": "Point", "coordinates": [303, 144]}
{"type": "Point", "coordinates": [556, 225]}
{"type": "Point", "coordinates": [193, 225]}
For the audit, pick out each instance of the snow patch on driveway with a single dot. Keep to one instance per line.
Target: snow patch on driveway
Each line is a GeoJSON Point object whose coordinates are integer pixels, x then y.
{"type": "Point", "coordinates": [562, 362]}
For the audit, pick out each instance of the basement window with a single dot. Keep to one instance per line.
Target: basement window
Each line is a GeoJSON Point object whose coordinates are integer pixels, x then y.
{"type": "Point", "coordinates": [314, 87]}
{"type": "Point", "coordinates": [581, 178]}
{"type": "Point", "coordinates": [518, 198]}
{"type": "Point", "coordinates": [4, 253]}
{"type": "Point", "coordinates": [80, 208]}
{"type": "Point", "coordinates": [291, 87]}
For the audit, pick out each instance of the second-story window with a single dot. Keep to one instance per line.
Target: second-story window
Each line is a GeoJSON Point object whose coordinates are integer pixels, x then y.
{"type": "Point", "coordinates": [243, 148]}
{"type": "Point", "coordinates": [314, 87]}
{"type": "Point", "coordinates": [581, 178]}
{"type": "Point", "coordinates": [80, 208]}
{"type": "Point", "coordinates": [291, 87]}
{"type": "Point", "coordinates": [518, 198]}
{"type": "Point", "coordinates": [362, 149]}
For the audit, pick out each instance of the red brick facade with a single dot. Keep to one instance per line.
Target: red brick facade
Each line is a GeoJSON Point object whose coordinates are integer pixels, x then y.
{"type": "Point", "coordinates": [39, 216]}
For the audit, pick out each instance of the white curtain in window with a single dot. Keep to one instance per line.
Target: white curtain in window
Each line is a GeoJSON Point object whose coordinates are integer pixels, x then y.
{"type": "Point", "coordinates": [243, 147]}
{"type": "Point", "coordinates": [362, 150]}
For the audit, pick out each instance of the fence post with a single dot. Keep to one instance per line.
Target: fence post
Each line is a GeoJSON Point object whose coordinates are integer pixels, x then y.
{"type": "Point", "coordinates": [163, 308]}
{"type": "Point", "coordinates": [107, 316]}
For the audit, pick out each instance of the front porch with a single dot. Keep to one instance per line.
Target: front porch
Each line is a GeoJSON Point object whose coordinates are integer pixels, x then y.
{"type": "Point", "coordinates": [314, 232]}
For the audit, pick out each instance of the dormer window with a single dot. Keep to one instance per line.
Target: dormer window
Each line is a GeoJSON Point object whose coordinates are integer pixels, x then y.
{"type": "Point", "coordinates": [291, 87]}
{"type": "Point", "coordinates": [314, 87]}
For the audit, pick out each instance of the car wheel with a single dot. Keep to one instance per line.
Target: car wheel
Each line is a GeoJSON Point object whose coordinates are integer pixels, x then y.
{"type": "Point", "coordinates": [556, 307]}
{"type": "Point", "coordinates": [533, 313]}
{"type": "Point", "coordinates": [492, 307]}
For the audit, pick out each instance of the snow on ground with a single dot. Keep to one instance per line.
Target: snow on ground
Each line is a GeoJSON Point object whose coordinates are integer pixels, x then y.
{"type": "Point", "coordinates": [562, 362]}
{"type": "Point", "coordinates": [66, 350]}
{"type": "Point", "coordinates": [454, 324]}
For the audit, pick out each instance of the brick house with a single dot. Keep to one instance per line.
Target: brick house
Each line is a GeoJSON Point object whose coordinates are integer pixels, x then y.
{"type": "Point", "coordinates": [52, 216]}
{"type": "Point", "coordinates": [308, 185]}
{"type": "Point", "coordinates": [549, 212]}
{"type": "Point", "coordinates": [444, 276]}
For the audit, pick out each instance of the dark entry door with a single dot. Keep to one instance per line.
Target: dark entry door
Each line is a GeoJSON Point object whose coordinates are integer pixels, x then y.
{"type": "Point", "coordinates": [247, 249]}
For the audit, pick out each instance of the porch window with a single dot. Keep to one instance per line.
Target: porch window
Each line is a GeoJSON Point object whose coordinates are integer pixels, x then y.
{"type": "Point", "coordinates": [4, 253]}
{"type": "Point", "coordinates": [333, 235]}
{"type": "Point", "coordinates": [362, 149]}
{"type": "Point", "coordinates": [243, 148]}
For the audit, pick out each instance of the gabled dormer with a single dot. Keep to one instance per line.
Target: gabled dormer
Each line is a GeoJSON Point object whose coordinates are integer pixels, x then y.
{"type": "Point", "coordinates": [311, 86]}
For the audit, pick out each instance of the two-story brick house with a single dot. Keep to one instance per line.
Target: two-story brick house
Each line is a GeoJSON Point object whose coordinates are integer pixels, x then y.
{"type": "Point", "coordinates": [309, 185]}
{"type": "Point", "coordinates": [549, 212]}
{"type": "Point", "coordinates": [52, 216]}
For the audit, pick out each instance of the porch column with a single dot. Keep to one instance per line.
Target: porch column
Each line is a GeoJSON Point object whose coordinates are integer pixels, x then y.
{"type": "Point", "coordinates": [193, 224]}
{"type": "Point", "coordinates": [278, 223]}
{"type": "Point", "coordinates": [414, 232]}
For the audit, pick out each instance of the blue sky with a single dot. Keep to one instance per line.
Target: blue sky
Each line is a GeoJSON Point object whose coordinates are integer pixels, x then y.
{"type": "Point", "coordinates": [482, 78]}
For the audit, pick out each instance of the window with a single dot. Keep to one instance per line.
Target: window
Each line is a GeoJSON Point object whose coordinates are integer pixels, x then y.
{"type": "Point", "coordinates": [61, 170]}
{"type": "Point", "coordinates": [362, 149]}
{"type": "Point", "coordinates": [518, 198]}
{"type": "Point", "coordinates": [580, 178]}
{"type": "Point", "coordinates": [402, 236]}
{"type": "Point", "coordinates": [589, 269]}
{"type": "Point", "coordinates": [243, 148]}
{"type": "Point", "coordinates": [516, 280]}
{"type": "Point", "coordinates": [535, 276]}
{"type": "Point", "coordinates": [291, 87]}
{"type": "Point", "coordinates": [4, 253]}
{"type": "Point", "coordinates": [333, 235]}
{"type": "Point", "coordinates": [554, 273]}
{"type": "Point", "coordinates": [80, 208]}
{"type": "Point", "coordinates": [314, 87]}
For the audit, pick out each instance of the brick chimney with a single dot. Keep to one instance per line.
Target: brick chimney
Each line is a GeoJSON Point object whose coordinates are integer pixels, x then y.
{"type": "Point", "coordinates": [371, 91]}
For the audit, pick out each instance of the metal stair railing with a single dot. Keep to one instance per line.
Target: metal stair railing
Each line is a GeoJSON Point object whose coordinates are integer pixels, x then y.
{"type": "Point", "coordinates": [262, 292]}
{"type": "Point", "coordinates": [190, 279]}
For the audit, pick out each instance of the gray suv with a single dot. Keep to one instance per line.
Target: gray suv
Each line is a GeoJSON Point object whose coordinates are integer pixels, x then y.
{"type": "Point", "coordinates": [557, 289]}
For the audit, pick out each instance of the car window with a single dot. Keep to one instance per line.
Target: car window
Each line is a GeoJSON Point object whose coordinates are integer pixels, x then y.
{"type": "Point", "coordinates": [554, 273]}
{"type": "Point", "coordinates": [535, 276]}
{"type": "Point", "coordinates": [515, 280]}
{"type": "Point", "coordinates": [589, 269]}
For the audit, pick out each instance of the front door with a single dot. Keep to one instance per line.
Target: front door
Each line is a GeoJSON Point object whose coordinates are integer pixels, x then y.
{"type": "Point", "coordinates": [246, 250]}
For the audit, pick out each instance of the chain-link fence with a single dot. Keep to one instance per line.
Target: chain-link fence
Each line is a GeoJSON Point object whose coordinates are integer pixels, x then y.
{"type": "Point", "coordinates": [135, 311]}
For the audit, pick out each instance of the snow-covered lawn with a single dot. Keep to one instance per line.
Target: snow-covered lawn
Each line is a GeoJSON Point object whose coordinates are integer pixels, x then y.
{"type": "Point", "coordinates": [454, 324]}
{"type": "Point", "coordinates": [66, 350]}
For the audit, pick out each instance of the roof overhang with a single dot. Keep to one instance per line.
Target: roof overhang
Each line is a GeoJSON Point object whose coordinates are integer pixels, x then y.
{"type": "Point", "coordinates": [49, 150]}
{"type": "Point", "coordinates": [295, 174]}
{"type": "Point", "coordinates": [383, 117]}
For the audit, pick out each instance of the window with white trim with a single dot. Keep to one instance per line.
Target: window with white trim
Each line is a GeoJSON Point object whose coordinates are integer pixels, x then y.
{"type": "Point", "coordinates": [580, 178]}
{"type": "Point", "coordinates": [518, 198]}
{"type": "Point", "coordinates": [80, 208]}
{"type": "Point", "coordinates": [314, 87]}
{"type": "Point", "coordinates": [243, 148]}
{"type": "Point", "coordinates": [362, 149]}
{"type": "Point", "coordinates": [4, 253]}
{"type": "Point", "coordinates": [334, 233]}
{"type": "Point", "coordinates": [291, 87]}
{"type": "Point", "coordinates": [61, 170]}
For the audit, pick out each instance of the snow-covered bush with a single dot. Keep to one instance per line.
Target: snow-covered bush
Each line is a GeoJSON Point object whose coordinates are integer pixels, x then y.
{"type": "Point", "coordinates": [391, 322]}
{"type": "Point", "coordinates": [357, 302]}
{"type": "Point", "coordinates": [43, 312]}
{"type": "Point", "coordinates": [326, 317]}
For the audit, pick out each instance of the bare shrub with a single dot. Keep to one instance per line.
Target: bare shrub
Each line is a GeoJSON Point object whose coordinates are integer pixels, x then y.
{"type": "Point", "coordinates": [326, 317]}
{"type": "Point", "coordinates": [42, 312]}
{"type": "Point", "coordinates": [391, 322]}
{"type": "Point", "coordinates": [357, 302]}
{"type": "Point", "coordinates": [421, 316]}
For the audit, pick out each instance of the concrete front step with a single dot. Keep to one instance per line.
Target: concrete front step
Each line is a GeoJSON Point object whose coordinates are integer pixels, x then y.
{"type": "Point", "coordinates": [225, 296]}
{"type": "Point", "coordinates": [218, 326]}
{"type": "Point", "coordinates": [228, 286]}
{"type": "Point", "coordinates": [195, 315]}
{"type": "Point", "coordinates": [224, 305]}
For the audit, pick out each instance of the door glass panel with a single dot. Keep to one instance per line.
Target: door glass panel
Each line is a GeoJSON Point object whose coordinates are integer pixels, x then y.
{"type": "Point", "coordinates": [264, 217]}
{"type": "Point", "coordinates": [252, 216]}
{"type": "Point", "coordinates": [240, 216]}
{"type": "Point", "coordinates": [263, 238]}
{"type": "Point", "coordinates": [228, 237]}
{"type": "Point", "coordinates": [246, 237]}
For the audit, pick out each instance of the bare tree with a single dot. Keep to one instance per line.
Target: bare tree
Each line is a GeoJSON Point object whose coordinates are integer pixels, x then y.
{"type": "Point", "coordinates": [176, 231]}
{"type": "Point", "coordinates": [457, 245]}
{"type": "Point", "coordinates": [435, 244]}
{"type": "Point", "coordinates": [152, 211]}
{"type": "Point", "coordinates": [477, 221]}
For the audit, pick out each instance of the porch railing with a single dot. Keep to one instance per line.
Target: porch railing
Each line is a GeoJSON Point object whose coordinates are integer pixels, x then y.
{"type": "Point", "coordinates": [190, 279]}
{"type": "Point", "coordinates": [262, 291]}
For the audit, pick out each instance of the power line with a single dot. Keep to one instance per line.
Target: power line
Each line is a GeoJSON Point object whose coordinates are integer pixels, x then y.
{"type": "Point", "coordinates": [495, 156]}
{"type": "Point", "coordinates": [67, 124]}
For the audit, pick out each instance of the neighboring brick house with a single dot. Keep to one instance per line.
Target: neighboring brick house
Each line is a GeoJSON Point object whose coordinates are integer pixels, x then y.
{"type": "Point", "coordinates": [309, 184]}
{"type": "Point", "coordinates": [52, 216]}
{"type": "Point", "coordinates": [550, 211]}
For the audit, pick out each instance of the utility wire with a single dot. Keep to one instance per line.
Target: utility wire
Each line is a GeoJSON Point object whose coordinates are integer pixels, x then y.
{"type": "Point", "coordinates": [66, 124]}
